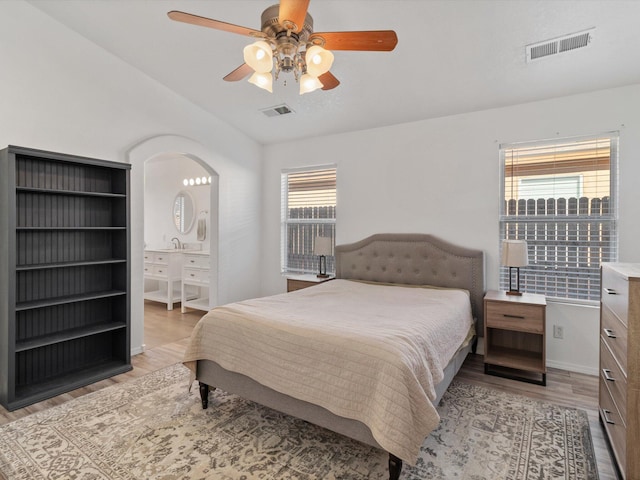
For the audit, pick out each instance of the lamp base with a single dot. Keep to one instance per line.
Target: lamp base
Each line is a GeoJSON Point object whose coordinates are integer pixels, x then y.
{"type": "Point", "coordinates": [514, 292]}
{"type": "Point", "coordinates": [322, 275]}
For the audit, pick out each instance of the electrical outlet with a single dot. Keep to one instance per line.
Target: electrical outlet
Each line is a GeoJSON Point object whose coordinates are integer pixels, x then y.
{"type": "Point", "coordinates": [558, 331]}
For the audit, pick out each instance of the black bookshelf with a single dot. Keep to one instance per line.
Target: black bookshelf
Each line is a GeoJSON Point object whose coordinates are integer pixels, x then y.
{"type": "Point", "coordinates": [64, 273]}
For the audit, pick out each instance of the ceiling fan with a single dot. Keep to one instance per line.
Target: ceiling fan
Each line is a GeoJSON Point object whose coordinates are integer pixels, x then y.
{"type": "Point", "coordinates": [287, 43]}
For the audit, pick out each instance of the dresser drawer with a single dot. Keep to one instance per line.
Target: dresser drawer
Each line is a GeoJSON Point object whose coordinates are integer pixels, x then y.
{"type": "Point", "coordinates": [161, 258]}
{"type": "Point", "coordinates": [148, 269]}
{"type": "Point", "coordinates": [160, 271]}
{"type": "Point", "coordinates": [148, 257]}
{"type": "Point", "coordinates": [614, 334]}
{"type": "Point", "coordinates": [613, 378]}
{"type": "Point", "coordinates": [615, 293]}
{"type": "Point", "coordinates": [512, 316]}
{"type": "Point", "coordinates": [197, 261]}
{"type": "Point", "coordinates": [616, 429]}
{"type": "Point", "coordinates": [195, 275]}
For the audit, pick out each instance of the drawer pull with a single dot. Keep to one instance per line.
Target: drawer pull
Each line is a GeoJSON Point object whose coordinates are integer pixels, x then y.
{"type": "Point", "coordinates": [607, 375]}
{"type": "Point", "coordinates": [605, 414]}
{"type": "Point", "coordinates": [192, 261]}
{"type": "Point", "coordinates": [610, 291]}
{"type": "Point", "coordinates": [513, 316]}
{"type": "Point", "coordinates": [609, 333]}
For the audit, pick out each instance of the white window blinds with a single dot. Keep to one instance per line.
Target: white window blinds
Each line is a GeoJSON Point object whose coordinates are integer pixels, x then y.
{"type": "Point", "coordinates": [308, 211]}
{"type": "Point", "coordinates": [561, 198]}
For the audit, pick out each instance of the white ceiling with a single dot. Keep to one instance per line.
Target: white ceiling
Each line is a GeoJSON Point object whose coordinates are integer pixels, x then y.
{"type": "Point", "coordinates": [453, 56]}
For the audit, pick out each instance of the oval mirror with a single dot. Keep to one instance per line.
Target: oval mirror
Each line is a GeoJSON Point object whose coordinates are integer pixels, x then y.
{"type": "Point", "coordinates": [183, 212]}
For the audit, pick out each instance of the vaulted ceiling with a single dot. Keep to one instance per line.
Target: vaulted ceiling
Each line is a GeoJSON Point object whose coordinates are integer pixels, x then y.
{"type": "Point", "coordinates": [453, 56]}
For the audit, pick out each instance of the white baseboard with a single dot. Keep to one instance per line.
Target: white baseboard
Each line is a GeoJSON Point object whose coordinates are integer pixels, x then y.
{"type": "Point", "coordinates": [137, 350]}
{"type": "Point", "coordinates": [571, 367]}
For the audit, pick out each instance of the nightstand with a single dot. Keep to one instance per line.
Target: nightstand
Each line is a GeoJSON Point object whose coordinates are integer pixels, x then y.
{"type": "Point", "coordinates": [514, 336]}
{"type": "Point", "coordinates": [297, 282]}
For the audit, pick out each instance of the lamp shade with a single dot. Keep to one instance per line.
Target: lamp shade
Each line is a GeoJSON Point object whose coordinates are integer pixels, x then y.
{"type": "Point", "coordinates": [323, 246]}
{"type": "Point", "coordinates": [514, 253]}
{"type": "Point", "coordinates": [318, 60]}
{"type": "Point", "coordinates": [259, 56]}
{"type": "Point", "coordinates": [262, 80]}
{"type": "Point", "coordinates": [309, 83]}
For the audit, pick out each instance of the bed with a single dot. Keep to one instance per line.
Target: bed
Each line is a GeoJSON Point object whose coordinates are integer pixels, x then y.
{"type": "Point", "coordinates": [308, 354]}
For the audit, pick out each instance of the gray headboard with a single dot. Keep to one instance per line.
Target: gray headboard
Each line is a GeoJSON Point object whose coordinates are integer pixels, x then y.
{"type": "Point", "coordinates": [415, 259]}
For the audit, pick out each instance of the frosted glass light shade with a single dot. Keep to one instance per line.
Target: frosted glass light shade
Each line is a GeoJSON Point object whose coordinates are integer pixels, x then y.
{"type": "Point", "coordinates": [262, 80]}
{"type": "Point", "coordinates": [318, 60]}
{"type": "Point", "coordinates": [259, 56]}
{"type": "Point", "coordinates": [309, 83]}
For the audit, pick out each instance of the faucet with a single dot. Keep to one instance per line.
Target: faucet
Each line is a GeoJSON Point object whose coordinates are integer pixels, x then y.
{"type": "Point", "coordinates": [176, 245]}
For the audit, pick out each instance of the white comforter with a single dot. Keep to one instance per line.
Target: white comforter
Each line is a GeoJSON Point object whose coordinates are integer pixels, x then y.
{"type": "Point", "coordinates": [367, 352]}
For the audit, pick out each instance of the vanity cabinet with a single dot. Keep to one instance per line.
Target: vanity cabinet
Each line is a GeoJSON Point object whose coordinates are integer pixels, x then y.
{"type": "Point", "coordinates": [64, 273]}
{"type": "Point", "coordinates": [196, 281]}
{"type": "Point", "coordinates": [163, 276]}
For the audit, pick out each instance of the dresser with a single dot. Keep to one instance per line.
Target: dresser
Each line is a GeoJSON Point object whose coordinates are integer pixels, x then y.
{"type": "Point", "coordinates": [620, 363]}
{"type": "Point", "coordinates": [196, 281]}
{"type": "Point", "coordinates": [163, 276]}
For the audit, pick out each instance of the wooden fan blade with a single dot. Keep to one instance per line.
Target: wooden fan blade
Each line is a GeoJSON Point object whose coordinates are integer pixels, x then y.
{"type": "Point", "coordinates": [328, 81]}
{"type": "Point", "coordinates": [294, 11]}
{"type": "Point", "coordinates": [372, 40]}
{"type": "Point", "coordinates": [239, 73]}
{"type": "Point", "coordinates": [211, 23]}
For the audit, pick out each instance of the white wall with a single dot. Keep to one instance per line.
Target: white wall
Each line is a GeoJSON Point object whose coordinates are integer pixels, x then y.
{"type": "Point", "coordinates": [60, 92]}
{"type": "Point", "coordinates": [441, 176]}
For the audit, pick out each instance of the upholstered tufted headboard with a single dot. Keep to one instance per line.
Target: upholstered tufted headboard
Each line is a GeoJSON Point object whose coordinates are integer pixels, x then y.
{"type": "Point", "coordinates": [415, 259]}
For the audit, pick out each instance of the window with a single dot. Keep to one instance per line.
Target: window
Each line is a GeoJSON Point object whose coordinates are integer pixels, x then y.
{"type": "Point", "coordinates": [308, 211]}
{"type": "Point", "coordinates": [561, 198]}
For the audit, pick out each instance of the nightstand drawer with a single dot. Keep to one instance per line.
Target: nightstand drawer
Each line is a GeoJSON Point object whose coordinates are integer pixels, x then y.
{"type": "Point", "coordinates": [614, 334]}
{"type": "Point", "coordinates": [513, 316]}
{"type": "Point", "coordinates": [614, 379]}
{"type": "Point", "coordinates": [293, 285]}
{"type": "Point", "coordinates": [613, 424]}
{"type": "Point", "coordinates": [615, 294]}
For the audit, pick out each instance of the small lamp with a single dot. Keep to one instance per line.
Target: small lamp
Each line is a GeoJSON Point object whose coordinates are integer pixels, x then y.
{"type": "Point", "coordinates": [322, 247]}
{"type": "Point", "coordinates": [514, 255]}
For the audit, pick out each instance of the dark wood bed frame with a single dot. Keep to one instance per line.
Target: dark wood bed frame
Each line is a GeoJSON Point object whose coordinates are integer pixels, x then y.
{"type": "Point", "coordinates": [411, 259]}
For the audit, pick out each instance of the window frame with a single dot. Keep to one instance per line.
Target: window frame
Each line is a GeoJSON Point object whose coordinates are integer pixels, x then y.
{"type": "Point", "coordinates": [311, 265]}
{"type": "Point", "coordinates": [543, 282]}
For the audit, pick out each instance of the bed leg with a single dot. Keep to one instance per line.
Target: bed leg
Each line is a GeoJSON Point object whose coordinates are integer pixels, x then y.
{"type": "Point", "coordinates": [204, 395]}
{"type": "Point", "coordinates": [395, 467]}
{"type": "Point", "coordinates": [474, 345]}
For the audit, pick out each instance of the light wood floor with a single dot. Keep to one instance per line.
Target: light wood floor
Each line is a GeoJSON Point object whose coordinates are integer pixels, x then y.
{"type": "Point", "coordinates": [167, 333]}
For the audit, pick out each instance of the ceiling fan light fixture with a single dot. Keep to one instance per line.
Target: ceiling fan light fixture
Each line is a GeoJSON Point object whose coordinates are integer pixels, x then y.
{"type": "Point", "coordinates": [259, 56]}
{"type": "Point", "coordinates": [309, 83]}
{"type": "Point", "coordinates": [318, 60]}
{"type": "Point", "coordinates": [262, 80]}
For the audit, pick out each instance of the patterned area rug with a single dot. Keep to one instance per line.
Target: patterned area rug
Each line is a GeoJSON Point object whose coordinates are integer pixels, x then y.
{"type": "Point", "coordinates": [152, 428]}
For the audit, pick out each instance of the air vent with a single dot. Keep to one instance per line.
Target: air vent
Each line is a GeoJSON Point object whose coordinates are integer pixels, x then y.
{"type": "Point", "coordinates": [277, 110]}
{"type": "Point", "coordinates": [558, 45]}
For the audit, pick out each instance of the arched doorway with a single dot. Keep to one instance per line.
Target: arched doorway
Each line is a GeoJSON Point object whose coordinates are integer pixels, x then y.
{"type": "Point", "coordinates": [162, 147]}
